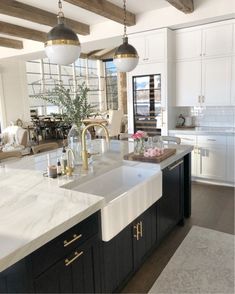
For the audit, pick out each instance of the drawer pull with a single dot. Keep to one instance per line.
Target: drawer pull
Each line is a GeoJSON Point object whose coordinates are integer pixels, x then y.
{"type": "Point", "coordinates": [187, 139]}
{"type": "Point", "coordinates": [76, 255]}
{"type": "Point", "coordinates": [138, 231]}
{"type": "Point", "coordinates": [141, 229]}
{"type": "Point", "coordinates": [75, 238]}
{"type": "Point", "coordinates": [175, 165]}
{"type": "Point", "coordinates": [211, 140]}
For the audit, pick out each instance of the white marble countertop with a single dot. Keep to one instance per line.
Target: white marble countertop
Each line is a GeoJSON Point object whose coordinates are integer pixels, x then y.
{"type": "Point", "coordinates": [35, 209]}
{"type": "Point", "coordinates": [223, 131]}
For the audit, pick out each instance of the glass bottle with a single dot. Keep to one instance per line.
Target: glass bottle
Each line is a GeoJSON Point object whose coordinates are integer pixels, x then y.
{"type": "Point", "coordinates": [75, 142]}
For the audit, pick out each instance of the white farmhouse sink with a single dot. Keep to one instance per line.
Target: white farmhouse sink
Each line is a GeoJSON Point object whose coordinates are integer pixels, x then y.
{"type": "Point", "coordinates": [128, 191]}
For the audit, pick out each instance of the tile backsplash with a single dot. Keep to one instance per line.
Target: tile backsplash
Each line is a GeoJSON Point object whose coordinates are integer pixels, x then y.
{"type": "Point", "coordinates": [213, 116]}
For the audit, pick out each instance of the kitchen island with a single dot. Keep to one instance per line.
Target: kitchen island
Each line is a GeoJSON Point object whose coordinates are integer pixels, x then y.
{"type": "Point", "coordinates": [38, 214]}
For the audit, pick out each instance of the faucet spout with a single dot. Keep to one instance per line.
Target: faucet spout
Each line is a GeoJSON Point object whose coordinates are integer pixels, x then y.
{"type": "Point", "coordinates": [84, 150]}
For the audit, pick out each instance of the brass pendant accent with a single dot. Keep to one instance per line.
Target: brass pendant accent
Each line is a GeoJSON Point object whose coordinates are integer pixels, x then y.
{"type": "Point", "coordinates": [62, 42]}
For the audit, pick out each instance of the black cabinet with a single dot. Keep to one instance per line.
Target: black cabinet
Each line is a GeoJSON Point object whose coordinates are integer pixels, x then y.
{"type": "Point", "coordinates": [76, 273]}
{"type": "Point", "coordinates": [144, 235]}
{"type": "Point", "coordinates": [170, 205]}
{"type": "Point", "coordinates": [125, 252]}
{"type": "Point", "coordinates": [68, 264]}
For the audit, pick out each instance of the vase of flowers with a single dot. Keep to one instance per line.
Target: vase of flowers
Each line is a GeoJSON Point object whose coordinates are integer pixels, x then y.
{"type": "Point", "coordinates": [139, 139]}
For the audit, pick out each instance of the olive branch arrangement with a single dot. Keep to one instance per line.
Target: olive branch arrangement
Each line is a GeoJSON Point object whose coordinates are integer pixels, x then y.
{"type": "Point", "coordinates": [74, 106]}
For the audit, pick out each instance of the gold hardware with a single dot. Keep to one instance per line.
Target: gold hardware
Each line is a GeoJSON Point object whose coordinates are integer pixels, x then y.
{"type": "Point", "coordinates": [129, 55]}
{"type": "Point", "coordinates": [69, 171]}
{"type": "Point", "coordinates": [175, 165]}
{"type": "Point", "coordinates": [62, 42]}
{"type": "Point", "coordinates": [76, 255]}
{"type": "Point", "coordinates": [141, 229]}
{"type": "Point", "coordinates": [138, 233]}
{"type": "Point", "coordinates": [75, 237]}
{"type": "Point", "coordinates": [84, 151]}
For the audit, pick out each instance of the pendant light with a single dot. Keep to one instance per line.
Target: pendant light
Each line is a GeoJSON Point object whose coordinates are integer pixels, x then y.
{"type": "Point", "coordinates": [62, 45]}
{"type": "Point", "coordinates": [126, 57]}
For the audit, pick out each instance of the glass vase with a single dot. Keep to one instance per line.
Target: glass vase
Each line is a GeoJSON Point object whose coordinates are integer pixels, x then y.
{"type": "Point", "coordinates": [75, 142]}
{"type": "Point", "coordinates": [139, 146]}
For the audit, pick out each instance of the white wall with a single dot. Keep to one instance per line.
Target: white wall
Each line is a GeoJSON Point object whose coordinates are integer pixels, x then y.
{"type": "Point", "coordinates": [14, 102]}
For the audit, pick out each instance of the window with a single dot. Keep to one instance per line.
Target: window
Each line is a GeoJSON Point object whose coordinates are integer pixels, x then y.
{"type": "Point", "coordinates": [111, 85]}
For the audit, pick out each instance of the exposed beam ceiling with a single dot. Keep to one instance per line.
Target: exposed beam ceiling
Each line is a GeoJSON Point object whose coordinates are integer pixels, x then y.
{"type": "Point", "coordinates": [30, 13]}
{"type": "Point", "coordinates": [93, 53]}
{"type": "Point", "coordinates": [21, 32]}
{"type": "Point", "coordinates": [11, 43]}
{"type": "Point", "coordinates": [185, 6]}
{"type": "Point", "coordinates": [106, 9]}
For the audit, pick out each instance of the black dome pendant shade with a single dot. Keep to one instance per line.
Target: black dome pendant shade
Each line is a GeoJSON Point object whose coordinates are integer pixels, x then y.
{"type": "Point", "coordinates": [62, 45]}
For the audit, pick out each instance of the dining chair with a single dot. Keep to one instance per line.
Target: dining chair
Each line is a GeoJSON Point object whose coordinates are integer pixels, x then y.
{"type": "Point", "coordinates": [114, 124]}
{"type": "Point", "coordinates": [171, 139]}
{"type": "Point", "coordinates": [44, 147]}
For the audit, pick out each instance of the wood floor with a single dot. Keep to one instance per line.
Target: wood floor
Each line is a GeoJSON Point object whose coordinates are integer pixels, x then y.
{"type": "Point", "coordinates": [212, 207]}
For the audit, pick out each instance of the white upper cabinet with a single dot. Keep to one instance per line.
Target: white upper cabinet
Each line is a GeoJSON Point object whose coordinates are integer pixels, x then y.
{"type": "Point", "coordinates": [188, 44]}
{"type": "Point", "coordinates": [204, 65]}
{"type": "Point", "coordinates": [188, 83]}
{"type": "Point", "coordinates": [209, 41]}
{"type": "Point", "coordinates": [216, 81]}
{"type": "Point", "coordinates": [150, 46]}
{"type": "Point", "coordinates": [217, 41]}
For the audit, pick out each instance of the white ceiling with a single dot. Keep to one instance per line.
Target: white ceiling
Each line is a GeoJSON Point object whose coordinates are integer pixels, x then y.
{"type": "Point", "coordinates": [79, 14]}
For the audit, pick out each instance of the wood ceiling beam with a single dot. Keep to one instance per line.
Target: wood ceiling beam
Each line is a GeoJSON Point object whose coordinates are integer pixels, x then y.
{"type": "Point", "coordinates": [185, 6]}
{"type": "Point", "coordinates": [22, 32]}
{"type": "Point", "coordinates": [106, 9]}
{"type": "Point", "coordinates": [11, 43]}
{"type": "Point", "coordinates": [30, 13]}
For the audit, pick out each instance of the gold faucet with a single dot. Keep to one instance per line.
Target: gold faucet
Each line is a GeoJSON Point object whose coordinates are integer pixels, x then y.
{"type": "Point", "coordinates": [85, 154]}
{"type": "Point", "coordinates": [69, 167]}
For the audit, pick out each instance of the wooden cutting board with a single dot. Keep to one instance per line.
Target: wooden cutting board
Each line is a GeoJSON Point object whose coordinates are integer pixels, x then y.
{"type": "Point", "coordinates": [156, 159]}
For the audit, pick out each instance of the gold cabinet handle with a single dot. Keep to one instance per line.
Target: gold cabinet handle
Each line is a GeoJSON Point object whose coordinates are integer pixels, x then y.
{"type": "Point", "coordinates": [141, 229]}
{"type": "Point", "coordinates": [75, 237]}
{"type": "Point", "coordinates": [137, 234]}
{"type": "Point", "coordinates": [76, 255]}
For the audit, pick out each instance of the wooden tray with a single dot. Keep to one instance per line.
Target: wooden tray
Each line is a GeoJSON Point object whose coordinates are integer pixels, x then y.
{"type": "Point", "coordinates": [156, 159]}
{"type": "Point", "coordinates": [185, 127]}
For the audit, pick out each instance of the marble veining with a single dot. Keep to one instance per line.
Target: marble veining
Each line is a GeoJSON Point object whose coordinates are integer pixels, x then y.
{"type": "Point", "coordinates": [35, 209]}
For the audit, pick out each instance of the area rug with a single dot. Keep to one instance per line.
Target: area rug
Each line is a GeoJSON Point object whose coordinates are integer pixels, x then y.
{"type": "Point", "coordinates": [203, 264]}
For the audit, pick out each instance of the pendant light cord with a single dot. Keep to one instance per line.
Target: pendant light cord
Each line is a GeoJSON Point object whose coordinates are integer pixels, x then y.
{"type": "Point", "coordinates": [60, 15]}
{"type": "Point", "coordinates": [124, 21]}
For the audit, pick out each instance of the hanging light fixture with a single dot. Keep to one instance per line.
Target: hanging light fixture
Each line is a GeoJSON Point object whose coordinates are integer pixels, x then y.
{"type": "Point", "coordinates": [126, 57]}
{"type": "Point", "coordinates": [62, 45]}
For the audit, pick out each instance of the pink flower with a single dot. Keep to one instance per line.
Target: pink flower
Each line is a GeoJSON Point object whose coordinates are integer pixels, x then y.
{"type": "Point", "coordinates": [139, 135]}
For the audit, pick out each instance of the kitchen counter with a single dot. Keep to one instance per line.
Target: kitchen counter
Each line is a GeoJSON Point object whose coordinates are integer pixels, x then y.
{"type": "Point", "coordinates": [35, 209]}
{"type": "Point", "coordinates": [224, 131]}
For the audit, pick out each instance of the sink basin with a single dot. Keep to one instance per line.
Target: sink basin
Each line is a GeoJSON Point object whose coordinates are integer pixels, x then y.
{"type": "Point", "coordinates": [114, 183]}
{"type": "Point", "coordinates": [128, 192]}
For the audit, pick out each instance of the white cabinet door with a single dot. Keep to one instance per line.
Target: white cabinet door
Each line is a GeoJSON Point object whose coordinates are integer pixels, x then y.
{"type": "Point", "coordinates": [188, 44]}
{"type": "Point", "coordinates": [190, 140]}
{"type": "Point", "coordinates": [216, 81]}
{"type": "Point", "coordinates": [188, 83]}
{"type": "Point", "coordinates": [233, 81]}
{"type": "Point", "coordinates": [217, 40]}
{"type": "Point", "coordinates": [211, 160]}
{"type": "Point", "coordinates": [155, 47]}
{"type": "Point", "coordinates": [230, 159]}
